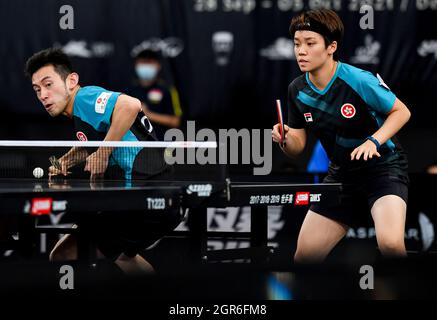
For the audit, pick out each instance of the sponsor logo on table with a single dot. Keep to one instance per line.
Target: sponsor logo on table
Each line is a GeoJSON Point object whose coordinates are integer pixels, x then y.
{"type": "Point", "coordinates": [41, 206]}
{"type": "Point", "coordinates": [315, 197]}
{"type": "Point", "coordinates": [202, 190]}
{"type": "Point", "coordinates": [44, 206]}
{"type": "Point", "coordinates": [302, 198]}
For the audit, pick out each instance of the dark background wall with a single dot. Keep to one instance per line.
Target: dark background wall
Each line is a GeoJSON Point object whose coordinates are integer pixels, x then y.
{"type": "Point", "coordinates": [402, 48]}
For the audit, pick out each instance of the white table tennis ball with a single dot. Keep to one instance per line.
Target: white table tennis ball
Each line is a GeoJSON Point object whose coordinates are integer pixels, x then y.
{"type": "Point", "coordinates": [38, 172]}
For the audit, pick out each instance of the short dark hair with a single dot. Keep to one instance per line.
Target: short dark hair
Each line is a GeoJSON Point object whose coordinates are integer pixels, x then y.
{"type": "Point", "coordinates": [50, 56]}
{"type": "Point", "coordinates": [324, 21]}
{"type": "Point", "coordinates": [149, 54]}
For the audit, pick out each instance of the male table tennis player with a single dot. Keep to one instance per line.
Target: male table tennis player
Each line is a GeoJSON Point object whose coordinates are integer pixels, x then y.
{"type": "Point", "coordinates": [99, 114]}
{"type": "Point", "coordinates": [355, 116]}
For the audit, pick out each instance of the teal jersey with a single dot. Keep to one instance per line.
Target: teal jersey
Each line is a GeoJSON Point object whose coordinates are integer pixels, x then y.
{"type": "Point", "coordinates": [92, 112]}
{"type": "Point", "coordinates": [352, 107]}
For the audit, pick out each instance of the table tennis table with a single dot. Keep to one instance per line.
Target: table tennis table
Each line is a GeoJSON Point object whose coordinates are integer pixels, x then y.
{"type": "Point", "coordinates": [32, 198]}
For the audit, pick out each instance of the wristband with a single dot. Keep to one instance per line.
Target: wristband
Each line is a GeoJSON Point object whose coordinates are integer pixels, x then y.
{"type": "Point", "coordinates": [376, 142]}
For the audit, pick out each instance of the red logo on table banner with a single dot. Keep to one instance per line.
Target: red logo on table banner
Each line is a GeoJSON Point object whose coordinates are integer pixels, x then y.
{"type": "Point", "coordinates": [302, 198]}
{"type": "Point", "coordinates": [81, 136]}
{"type": "Point", "coordinates": [348, 110]}
{"type": "Point", "coordinates": [41, 206]}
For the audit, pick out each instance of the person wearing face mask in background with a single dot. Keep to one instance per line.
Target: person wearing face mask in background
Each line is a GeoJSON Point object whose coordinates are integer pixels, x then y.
{"type": "Point", "coordinates": [160, 102]}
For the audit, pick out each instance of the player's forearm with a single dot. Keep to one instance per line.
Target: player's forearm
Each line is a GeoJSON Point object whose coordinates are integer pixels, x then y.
{"type": "Point", "coordinates": [74, 156]}
{"type": "Point", "coordinates": [293, 146]}
{"type": "Point", "coordinates": [394, 122]}
{"type": "Point", "coordinates": [123, 117]}
{"type": "Point", "coordinates": [164, 119]}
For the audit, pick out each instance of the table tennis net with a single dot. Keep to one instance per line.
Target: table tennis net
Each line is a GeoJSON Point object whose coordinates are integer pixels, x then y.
{"type": "Point", "coordinates": [125, 160]}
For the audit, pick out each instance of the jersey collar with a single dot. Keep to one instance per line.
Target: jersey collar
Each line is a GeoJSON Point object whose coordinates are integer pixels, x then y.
{"type": "Point", "coordinates": [328, 86]}
{"type": "Point", "coordinates": [70, 107]}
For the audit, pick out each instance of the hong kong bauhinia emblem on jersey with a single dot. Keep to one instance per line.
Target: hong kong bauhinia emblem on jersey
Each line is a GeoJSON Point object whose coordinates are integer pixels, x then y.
{"type": "Point", "coordinates": [348, 110]}
{"type": "Point", "coordinates": [81, 136]}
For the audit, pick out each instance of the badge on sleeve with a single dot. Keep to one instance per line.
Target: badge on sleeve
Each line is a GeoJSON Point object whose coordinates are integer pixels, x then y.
{"type": "Point", "coordinates": [101, 102]}
{"type": "Point", "coordinates": [381, 82]}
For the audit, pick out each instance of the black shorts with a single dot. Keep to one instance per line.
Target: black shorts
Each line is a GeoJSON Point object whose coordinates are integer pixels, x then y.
{"type": "Point", "coordinates": [361, 190]}
{"type": "Point", "coordinates": [131, 232]}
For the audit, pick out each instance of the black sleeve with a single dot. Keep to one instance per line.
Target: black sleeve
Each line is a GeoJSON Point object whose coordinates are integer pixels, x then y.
{"type": "Point", "coordinates": [167, 103]}
{"type": "Point", "coordinates": [295, 118]}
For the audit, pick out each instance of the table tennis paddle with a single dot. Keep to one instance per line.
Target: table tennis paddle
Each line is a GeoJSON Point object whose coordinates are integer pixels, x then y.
{"type": "Point", "coordinates": [280, 122]}
{"type": "Point", "coordinates": [55, 163]}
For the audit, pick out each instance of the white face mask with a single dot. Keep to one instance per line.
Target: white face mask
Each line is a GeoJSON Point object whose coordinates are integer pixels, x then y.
{"type": "Point", "coordinates": [146, 71]}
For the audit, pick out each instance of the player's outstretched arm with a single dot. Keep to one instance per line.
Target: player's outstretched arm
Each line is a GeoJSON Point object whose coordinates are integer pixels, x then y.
{"type": "Point", "coordinates": [396, 119]}
{"type": "Point", "coordinates": [125, 112]}
{"type": "Point", "coordinates": [73, 157]}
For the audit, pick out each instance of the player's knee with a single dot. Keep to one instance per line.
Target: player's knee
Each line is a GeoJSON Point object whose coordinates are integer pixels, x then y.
{"type": "Point", "coordinates": [392, 247]}
{"type": "Point", "coordinates": [302, 256]}
{"type": "Point", "coordinates": [299, 258]}
{"type": "Point", "coordinates": [125, 258]}
{"type": "Point", "coordinates": [62, 253]}
{"type": "Point", "coordinates": [56, 255]}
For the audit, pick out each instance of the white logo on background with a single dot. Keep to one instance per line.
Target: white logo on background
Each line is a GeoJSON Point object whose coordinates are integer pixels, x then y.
{"type": "Point", "coordinates": [281, 49]}
{"type": "Point", "coordinates": [427, 47]}
{"type": "Point", "coordinates": [222, 44]}
{"type": "Point", "coordinates": [369, 233]}
{"type": "Point", "coordinates": [367, 54]}
{"type": "Point", "coordinates": [169, 47]}
{"type": "Point", "coordinates": [427, 230]}
{"type": "Point", "coordinates": [81, 49]}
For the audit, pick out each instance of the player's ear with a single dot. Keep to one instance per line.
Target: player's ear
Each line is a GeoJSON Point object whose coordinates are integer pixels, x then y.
{"type": "Point", "coordinates": [72, 80]}
{"type": "Point", "coordinates": [332, 47]}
